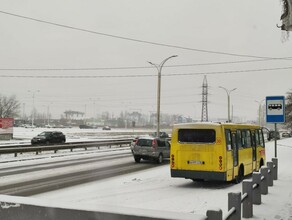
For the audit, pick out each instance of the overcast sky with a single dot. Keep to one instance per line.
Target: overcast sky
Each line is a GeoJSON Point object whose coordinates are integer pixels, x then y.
{"type": "Point", "coordinates": [101, 49]}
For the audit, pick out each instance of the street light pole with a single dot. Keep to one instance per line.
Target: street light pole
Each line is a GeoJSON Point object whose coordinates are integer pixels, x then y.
{"type": "Point", "coordinates": [159, 68]}
{"type": "Point", "coordinates": [260, 110]}
{"type": "Point", "coordinates": [228, 99]}
{"type": "Point", "coordinates": [33, 106]}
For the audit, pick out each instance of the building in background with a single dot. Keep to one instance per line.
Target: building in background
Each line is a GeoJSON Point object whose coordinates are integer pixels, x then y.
{"type": "Point", "coordinates": [6, 128]}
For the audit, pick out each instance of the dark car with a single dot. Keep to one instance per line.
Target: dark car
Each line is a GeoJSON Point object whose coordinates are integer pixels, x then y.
{"type": "Point", "coordinates": [151, 148]}
{"type": "Point", "coordinates": [49, 137]}
{"type": "Point", "coordinates": [106, 128]}
{"type": "Point", "coordinates": [87, 127]}
{"type": "Point", "coordinates": [273, 135]}
{"type": "Point", "coordinates": [286, 134]}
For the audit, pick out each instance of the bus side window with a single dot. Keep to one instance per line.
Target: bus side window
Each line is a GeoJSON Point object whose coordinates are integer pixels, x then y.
{"type": "Point", "coordinates": [253, 139]}
{"type": "Point", "coordinates": [248, 138]}
{"type": "Point", "coordinates": [233, 141]}
{"type": "Point", "coordinates": [243, 138]}
{"type": "Point", "coordinates": [261, 138]}
{"type": "Point", "coordinates": [257, 139]}
{"type": "Point", "coordinates": [238, 139]}
{"type": "Point", "coordinates": [228, 139]}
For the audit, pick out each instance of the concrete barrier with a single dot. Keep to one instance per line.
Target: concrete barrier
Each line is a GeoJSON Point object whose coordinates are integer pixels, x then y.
{"type": "Point", "coordinates": [24, 208]}
{"type": "Point", "coordinates": [251, 194]}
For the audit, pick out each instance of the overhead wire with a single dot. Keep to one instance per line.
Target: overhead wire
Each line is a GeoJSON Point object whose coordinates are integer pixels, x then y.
{"type": "Point", "coordinates": [140, 67]}
{"type": "Point", "coordinates": [141, 75]}
{"type": "Point", "coordinates": [131, 39]}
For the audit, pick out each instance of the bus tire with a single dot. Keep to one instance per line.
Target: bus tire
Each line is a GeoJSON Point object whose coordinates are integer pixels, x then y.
{"type": "Point", "coordinates": [240, 175]}
{"type": "Point", "coordinates": [261, 163]}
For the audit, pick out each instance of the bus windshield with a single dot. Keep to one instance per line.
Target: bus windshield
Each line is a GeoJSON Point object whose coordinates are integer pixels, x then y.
{"type": "Point", "coordinates": [196, 135]}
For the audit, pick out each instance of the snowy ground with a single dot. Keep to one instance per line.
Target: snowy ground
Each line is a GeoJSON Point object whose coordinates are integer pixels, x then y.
{"type": "Point", "coordinates": [155, 190]}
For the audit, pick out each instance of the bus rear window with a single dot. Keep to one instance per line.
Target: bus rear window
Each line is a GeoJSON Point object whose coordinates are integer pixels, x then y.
{"type": "Point", "coordinates": [196, 135]}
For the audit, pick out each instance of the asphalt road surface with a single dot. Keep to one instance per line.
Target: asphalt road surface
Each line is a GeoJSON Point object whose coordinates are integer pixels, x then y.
{"type": "Point", "coordinates": [39, 175]}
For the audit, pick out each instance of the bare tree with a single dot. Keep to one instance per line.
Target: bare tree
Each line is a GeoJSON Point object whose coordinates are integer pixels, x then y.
{"type": "Point", "coordinates": [289, 109]}
{"type": "Point", "coordinates": [9, 106]}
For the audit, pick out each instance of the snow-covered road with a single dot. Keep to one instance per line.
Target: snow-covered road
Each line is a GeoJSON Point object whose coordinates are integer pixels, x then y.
{"type": "Point", "coordinates": [154, 189]}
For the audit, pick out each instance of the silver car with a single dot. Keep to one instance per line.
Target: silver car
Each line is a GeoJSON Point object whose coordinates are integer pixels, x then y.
{"type": "Point", "coordinates": [151, 148]}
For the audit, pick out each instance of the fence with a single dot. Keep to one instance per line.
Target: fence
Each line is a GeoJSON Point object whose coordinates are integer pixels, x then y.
{"type": "Point", "coordinates": [251, 194]}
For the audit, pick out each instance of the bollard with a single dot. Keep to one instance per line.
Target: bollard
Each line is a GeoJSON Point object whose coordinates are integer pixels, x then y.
{"type": "Point", "coordinates": [256, 196]}
{"type": "Point", "coordinates": [275, 173]}
{"type": "Point", "coordinates": [264, 184]}
{"type": "Point", "coordinates": [214, 214]}
{"type": "Point", "coordinates": [270, 173]}
{"type": "Point", "coordinates": [247, 208]}
{"type": "Point", "coordinates": [234, 200]}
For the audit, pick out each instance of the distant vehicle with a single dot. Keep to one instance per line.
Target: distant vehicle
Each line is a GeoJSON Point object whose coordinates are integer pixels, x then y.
{"type": "Point", "coordinates": [29, 126]}
{"type": "Point", "coordinates": [49, 137]}
{"type": "Point", "coordinates": [163, 134]}
{"type": "Point", "coordinates": [286, 134]}
{"type": "Point", "coordinates": [106, 128]}
{"type": "Point", "coordinates": [87, 127]}
{"type": "Point", "coordinates": [150, 148]}
{"type": "Point", "coordinates": [273, 135]}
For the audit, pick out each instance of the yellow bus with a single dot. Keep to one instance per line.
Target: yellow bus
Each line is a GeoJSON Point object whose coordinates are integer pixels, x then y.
{"type": "Point", "coordinates": [216, 151]}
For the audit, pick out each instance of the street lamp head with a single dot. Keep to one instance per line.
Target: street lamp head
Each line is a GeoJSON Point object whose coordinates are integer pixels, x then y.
{"type": "Point", "coordinates": [227, 91]}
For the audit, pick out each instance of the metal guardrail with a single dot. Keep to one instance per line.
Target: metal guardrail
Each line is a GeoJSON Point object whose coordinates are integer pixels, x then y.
{"type": "Point", "coordinates": [39, 148]}
{"type": "Point", "coordinates": [242, 203]}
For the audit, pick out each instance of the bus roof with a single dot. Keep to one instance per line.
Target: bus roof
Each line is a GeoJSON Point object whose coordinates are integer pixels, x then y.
{"type": "Point", "coordinates": [212, 124]}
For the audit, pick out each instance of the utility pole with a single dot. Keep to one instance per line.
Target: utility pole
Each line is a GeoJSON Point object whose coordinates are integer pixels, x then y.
{"type": "Point", "coordinates": [204, 116]}
{"type": "Point", "coordinates": [33, 106]}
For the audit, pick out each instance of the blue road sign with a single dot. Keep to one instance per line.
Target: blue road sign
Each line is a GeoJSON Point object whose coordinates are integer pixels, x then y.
{"type": "Point", "coordinates": [275, 109]}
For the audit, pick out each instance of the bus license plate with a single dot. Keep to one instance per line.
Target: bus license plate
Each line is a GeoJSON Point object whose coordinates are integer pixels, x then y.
{"type": "Point", "coordinates": [195, 162]}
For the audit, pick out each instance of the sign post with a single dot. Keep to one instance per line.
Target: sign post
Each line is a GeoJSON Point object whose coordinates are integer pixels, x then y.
{"type": "Point", "coordinates": [275, 113]}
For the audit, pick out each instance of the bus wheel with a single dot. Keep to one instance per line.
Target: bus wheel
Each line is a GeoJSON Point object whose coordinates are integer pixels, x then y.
{"type": "Point", "coordinates": [261, 163]}
{"type": "Point", "coordinates": [240, 175]}
{"type": "Point", "coordinates": [160, 159]}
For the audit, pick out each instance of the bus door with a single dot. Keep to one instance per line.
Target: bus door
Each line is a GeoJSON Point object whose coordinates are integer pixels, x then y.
{"type": "Point", "coordinates": [235, 150]}
{"type": "Point", "coordinates": [232, 153]}
{"type": "Point", "coordinates": [254, 153]}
